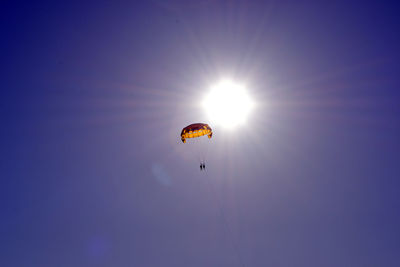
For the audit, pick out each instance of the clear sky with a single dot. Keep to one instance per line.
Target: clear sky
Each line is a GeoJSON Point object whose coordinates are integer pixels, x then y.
{"type": "Point", "coordinates": [94, 96]}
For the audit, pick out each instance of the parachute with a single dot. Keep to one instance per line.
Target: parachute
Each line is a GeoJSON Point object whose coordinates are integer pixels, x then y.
{"type": "Point", "coordinates": [196, 130]}
{"type": "Point", "coordinates": [197, 133]}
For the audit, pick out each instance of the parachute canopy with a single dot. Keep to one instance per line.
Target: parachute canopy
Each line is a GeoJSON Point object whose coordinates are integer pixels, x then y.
{"type": "Point", "coordinates": [196, 130]}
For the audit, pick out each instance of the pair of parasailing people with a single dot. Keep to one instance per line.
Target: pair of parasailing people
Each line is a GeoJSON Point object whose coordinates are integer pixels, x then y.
{"type": "Point", "coordinates": [196, 130]}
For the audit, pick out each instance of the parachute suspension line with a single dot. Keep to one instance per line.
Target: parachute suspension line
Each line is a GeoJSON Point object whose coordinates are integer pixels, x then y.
{"type": "Point", "coordinates": [198, 149]}
{"type": "Point", "coordinates": [201, 150]}
{"type": "Point", "coordinates": [235, 246]}
{"type": "Point", "coordinates": [204, 145]}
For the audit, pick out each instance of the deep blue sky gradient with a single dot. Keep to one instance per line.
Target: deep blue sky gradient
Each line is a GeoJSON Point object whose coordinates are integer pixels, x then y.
{"type": "Point", "coordinates": [93, 97]}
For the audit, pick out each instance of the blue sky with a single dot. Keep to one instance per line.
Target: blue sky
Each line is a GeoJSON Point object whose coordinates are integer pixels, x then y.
{"type": "Point", "coordinates": [94, 96]}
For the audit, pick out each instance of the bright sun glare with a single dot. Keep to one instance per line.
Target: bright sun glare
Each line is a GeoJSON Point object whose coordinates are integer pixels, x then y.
{"type": "Point", "coordinates": [228, 104]}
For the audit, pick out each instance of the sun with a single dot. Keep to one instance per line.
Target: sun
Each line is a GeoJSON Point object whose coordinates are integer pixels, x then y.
{"type": "Point", "coordinates": [228, 104]}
